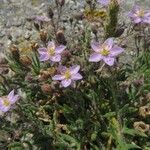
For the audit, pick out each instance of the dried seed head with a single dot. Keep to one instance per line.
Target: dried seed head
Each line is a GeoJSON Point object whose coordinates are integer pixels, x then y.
{"type": "Point", "coordinates": [15, 52]}
{"type": "Point", "coordinates": [94, 29]}
{"type": "Point", "coordinates": [46, 88]}
{"type": "Point", "coordinates": [78, 16]}
{"type": "Point", "coordinates": [66, 54]}
{"type": "Point", "coordinates": [144, 111]}
{"type": "Point", "coordinates": [36, 25]}
{"type": "Point", "coordinates": [43, 35]}
{"type": "Point", "coordinates": [45, 74]}
{"type": "Point", "coordinates": [60, 2]}
{"type": "Point", "coordinates": [25, 60]}
{"type": "Point", "coordinates": [141, 126]}
{"type": "Point", "coordinates": [34, 46]}
{"type": "Point", "coordinates": [148, 97]}
{"type": "Point", "coordinates": [50, 12]}
{"type": "Point", "coordinates": [61, 38]}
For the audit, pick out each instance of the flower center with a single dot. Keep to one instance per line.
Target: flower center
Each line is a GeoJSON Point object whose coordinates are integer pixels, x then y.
{"type": "Point", "coordinates": [105, 52]}
{"type": "Point", "coordinates": [140, 13]}
{"type": "Point", "coordinates": [6, 102]}
{"type": "Point", "coordinates": [67, 74]}
{"type": "Point", "coordinates": [51, 51]}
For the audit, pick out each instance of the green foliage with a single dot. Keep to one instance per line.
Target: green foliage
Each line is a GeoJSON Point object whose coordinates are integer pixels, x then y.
{"type": "Point", "coordinates": [98, 113]}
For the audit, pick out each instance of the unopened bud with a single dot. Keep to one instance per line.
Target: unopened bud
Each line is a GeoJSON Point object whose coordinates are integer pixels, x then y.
{"type": "Point", "coordinates": [25, 60]}
{"type": "Point", "coordinates": [50, 12]}
{"type": "Point", "coordinates": [46, 88]}
{"type": "Point", "coordinates": [34, 46]}
{"type": "Point", "coordinates": [43, 36]}
{"type": "Point", "coordinates": [60, 2]}
{"type": "Point", "coordinates": [61, 38]}
{"type": "Point", "coordinates": [15, 52]}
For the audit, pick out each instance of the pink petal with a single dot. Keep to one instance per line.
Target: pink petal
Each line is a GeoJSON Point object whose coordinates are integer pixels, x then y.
{"type": "Point", "coordinates": [74, 69]}
{"type": "Point", "coordinates": [104, 2]}
{"type": "Point", "coordinates": [95, 46]}
{"type": "Point", "coordinates": [60, 49]}
{"type": "Point", "coordinates": [14, 99]}
{"type": "Point", "coordinates": [146, 19]}
{"type": "Point", "coordinates": [58, 77]}
{"type": "Point", "coordinates": [116, 50]}
{"type": "Point", "coordinates": [44, 57]}
{"type": "Point", "coordinates": [109, 61]}
{"type": "Point", "coordinates": [55, 58]}
{"type": "Point", "coordinates": [4, 109]}
{"type": "Point", "coordinates": [51, 44]}
{"type": "Point", "coordinates": [66, 83]}
{"type": "Point", "coordinates": [76, 76]}
{"type": "Point", "coordinates": [42, 50]}
{"type": "Point", "coordinates": [95, 57]}
{"type": "Point", "coordinates": [61, 69]}
{"type": "Point", "coordinates": [108, 43]}
{"type": "Point", "coordinates": [136, 19]}
{"type": "Point", "coordinates": [11, 95]}
{"type": "Point", "coordinates": [136, 8]}
{"type": "Point", "coordinates": [147, 14]}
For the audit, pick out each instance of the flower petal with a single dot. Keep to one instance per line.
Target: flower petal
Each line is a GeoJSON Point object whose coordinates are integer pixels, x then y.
{"type": "Point", "coordinates": [55, 58]}
{"type": "Point", "coordinates": [61, 69]}
{"type": "Point", "coordinates": [44, 57]}
{"type": "Point", "coordinates": [11, 95]}
{"type": "Point", "coordinates": [51, 44]}
{"type": "Point", "coordinates": [74, 69]}
{"type": "Point", "coordinates": [60, 49]}
{"type": "Point", "coordinates": [104, 2]}
{"type": "Point", "coordinates": [109, 61]}
{"type": "Point", "coordinates": [136, 19]}
{"type": "Point", "coordinates": [95, 57]}
{"type": "Point", "coordinates": [58, 77]}
{"type": "Point", "coordinates": [14, 99]}
{"type": "Point", "coordinates": [116, 50]}
{"type": "Point", "coordinates": [4, 109]}
{"type": "Point", "coordinates": [66, 83]}
{"type": "Point", "coordinates": [76, 76]}
{"type": "Point", "coordinates": [108, 43]}
{"type": "Point", "coordinates": [42, 50]}
{"type": "Point", "coordinates": [146, 18]}
{"type": "Point", "coordinates": [95, 46]}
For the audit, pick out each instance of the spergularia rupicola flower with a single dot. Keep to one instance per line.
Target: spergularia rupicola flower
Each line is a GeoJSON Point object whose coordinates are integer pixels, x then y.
{"type": "Point", "coordinates": [7, 101]}
{"type": "Point", "coordinates": [138, 15]}
{"type": "Point", "coordinates": [68, 75]}
{"type": "Point", "coordinates": [106, 52]}
{"type": "Point", "coordinates": [52, 52]}
{"type": "Point", "coordinates": [42, 19]}
{"type": "Point", "coordinates": [104, 2]}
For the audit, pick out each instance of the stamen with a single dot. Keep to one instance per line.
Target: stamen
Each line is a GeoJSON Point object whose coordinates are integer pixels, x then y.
{"type": "Point", "coordinates": [67, 74]}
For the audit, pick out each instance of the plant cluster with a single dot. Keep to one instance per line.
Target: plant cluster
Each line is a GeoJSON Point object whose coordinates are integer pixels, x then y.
{"type": "Point", "coordinates": [74, 90]}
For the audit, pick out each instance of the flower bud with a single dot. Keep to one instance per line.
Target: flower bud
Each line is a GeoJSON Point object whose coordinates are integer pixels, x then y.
{"type": "Point", "coordinates": [15, 52]}
{"type": "Point", "coordinates": [43, 36]}
{"type": "Point", "coordinates": [25, 60]}
{"type": "Point", "coordinates": [144, 111]}
{"type": "Point", "coordinates": [34, 46]}
{"type": "Point", "coordinates": [61, 38]}
{"type": "Point", "coordinates": [141, 126]}
{"type": "Point", "coordinates": [50, 12]}
{"type": "Point", "coordinates": [60, 2]}
{"type": "Point", "coordinates": [46, 88]}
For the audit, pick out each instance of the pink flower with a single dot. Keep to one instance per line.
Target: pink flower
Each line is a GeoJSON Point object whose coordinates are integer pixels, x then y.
{"type": "Point", "coordinates": [104, 2]}
{"type": "Point", "coordinates": [106, 52]}
{"type": "Point", "coordinates": [7, 101]}
{"type": "Point", "coordinates": [68, 75]}
{"type": "Point", "coordinates": [42, 19]}
{"type": "Point", "coordinates": [138, 15]}
{"type": "Point", "coordinates": [52, 52]}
